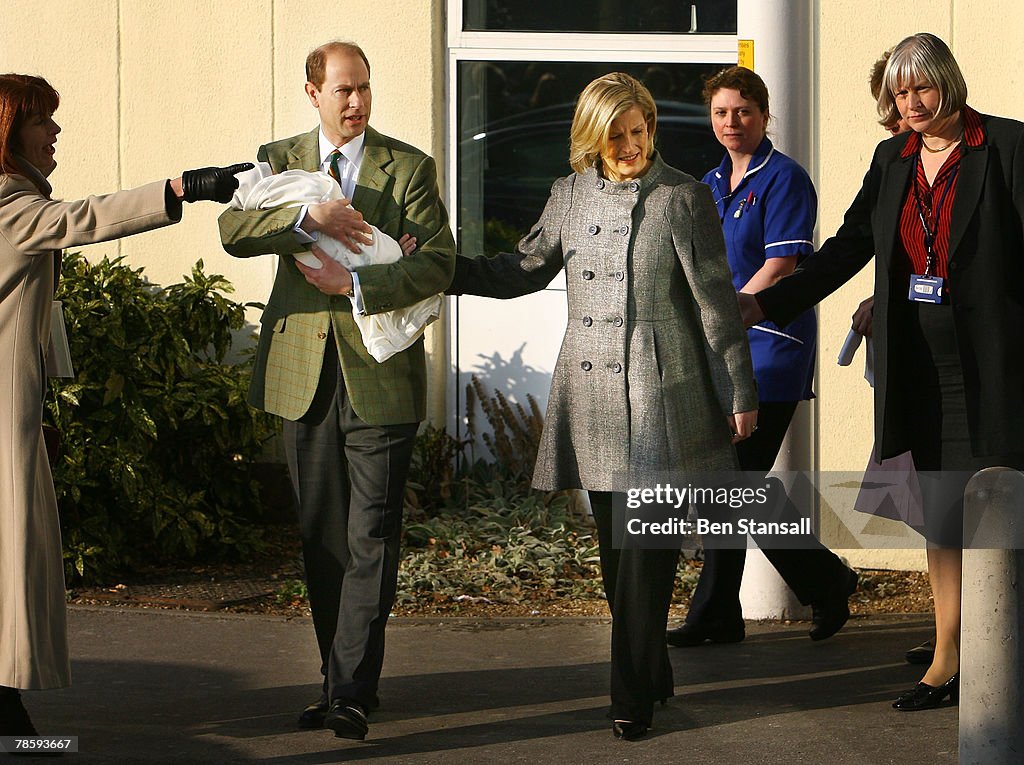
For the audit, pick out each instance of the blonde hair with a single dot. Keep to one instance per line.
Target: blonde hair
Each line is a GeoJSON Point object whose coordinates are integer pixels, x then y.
{"type": "Point", "coordinates": [922, 57]}
{"type": "Point", "coordinates": [601, 103]}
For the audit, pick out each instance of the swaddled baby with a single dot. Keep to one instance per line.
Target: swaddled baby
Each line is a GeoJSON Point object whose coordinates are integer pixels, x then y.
{"type": "Point", "coordinates": [384, 334]}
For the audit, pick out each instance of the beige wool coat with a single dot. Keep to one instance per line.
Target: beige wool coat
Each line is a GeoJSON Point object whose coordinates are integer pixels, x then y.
{"type": "Point", "coordinates": [33, 632]}
{"type": "Point", "coordinates": [655, 356]}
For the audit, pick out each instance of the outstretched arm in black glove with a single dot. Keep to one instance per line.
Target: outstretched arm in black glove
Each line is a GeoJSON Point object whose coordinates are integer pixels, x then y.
{"type": "Point", "coordinates": [215, 184]}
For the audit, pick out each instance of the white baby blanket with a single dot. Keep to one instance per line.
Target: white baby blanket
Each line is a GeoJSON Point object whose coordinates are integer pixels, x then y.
{"type": "Point", "coordinates": [384, 334]}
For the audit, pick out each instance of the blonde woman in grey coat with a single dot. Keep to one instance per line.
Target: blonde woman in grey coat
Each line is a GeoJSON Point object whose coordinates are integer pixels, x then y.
{"type": "Point", "coordinates": [654, 375]}
{"type": "Point", "coordinates": [34, 227]}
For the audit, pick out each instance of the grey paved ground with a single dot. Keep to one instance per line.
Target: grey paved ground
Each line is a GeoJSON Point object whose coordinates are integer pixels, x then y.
{"type": "Point", "coordinates": [156, 686]}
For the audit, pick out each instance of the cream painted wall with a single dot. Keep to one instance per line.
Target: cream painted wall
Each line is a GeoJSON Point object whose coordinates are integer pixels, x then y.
{"type": "Point", "coordinates": [153, 87]}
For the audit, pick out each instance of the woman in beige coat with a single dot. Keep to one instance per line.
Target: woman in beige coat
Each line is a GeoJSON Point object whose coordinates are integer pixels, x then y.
{"type": "Point", "coordinates": [33, 229]}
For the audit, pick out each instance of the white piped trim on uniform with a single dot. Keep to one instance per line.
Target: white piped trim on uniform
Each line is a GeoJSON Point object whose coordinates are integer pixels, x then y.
{"type": "Point", "coordinates": [789, 241]}
{"type": "Point", "coordinates": [780, 334]}
{"type": "Point", "coordinates": [751, 171]}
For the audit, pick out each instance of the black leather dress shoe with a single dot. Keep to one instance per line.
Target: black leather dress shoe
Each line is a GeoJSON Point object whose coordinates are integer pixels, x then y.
{"type": "Point", "coordinates": [628, 730]}
{"type": "Point", "coordinates": [693, 634]}
{"type": "Point", "coordinates": [925, 696]}
{"type": "Point", "coordinates": [347, 719]}
{"type": "Point", "coordinates": [921, 654]}
{"type": "Point", "coordinates": [312, 717]}
{"type": "Point", "coordinates": [833, 611]}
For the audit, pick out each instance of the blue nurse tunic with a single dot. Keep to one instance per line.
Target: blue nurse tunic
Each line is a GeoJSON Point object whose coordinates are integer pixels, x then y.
{"type": "Point", "coordinates": [771, 214]}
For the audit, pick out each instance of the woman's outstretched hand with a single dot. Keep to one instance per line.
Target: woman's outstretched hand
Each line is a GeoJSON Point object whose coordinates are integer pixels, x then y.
{"type": "Point", "coordinates": [214, 184]}
{"type": "Point", "coordinates": [408, 244]}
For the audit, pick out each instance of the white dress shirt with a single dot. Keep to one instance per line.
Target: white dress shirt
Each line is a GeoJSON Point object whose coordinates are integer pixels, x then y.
{"type": "Point", "coordinates": [349, 162]}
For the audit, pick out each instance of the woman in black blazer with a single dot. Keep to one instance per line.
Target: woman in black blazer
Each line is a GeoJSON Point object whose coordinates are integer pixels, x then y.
{"type": "Point", "coordinates": [942, 210]}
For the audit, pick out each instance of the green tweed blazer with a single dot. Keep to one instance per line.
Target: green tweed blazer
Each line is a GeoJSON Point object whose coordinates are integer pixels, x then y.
{"type": "Point", "coordinates": [396, 191]}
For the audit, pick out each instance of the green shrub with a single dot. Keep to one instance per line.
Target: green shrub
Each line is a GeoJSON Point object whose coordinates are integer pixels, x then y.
{"type": "Point", "coordinates": [481, 531]}
{"type": "Point", "coordinates": [158, 441]}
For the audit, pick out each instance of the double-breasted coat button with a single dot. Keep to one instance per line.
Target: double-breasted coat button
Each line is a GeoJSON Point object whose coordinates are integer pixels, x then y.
{"type": "Point", "coordinates": [619, 276]}
{"type": "Point", "coordinates": [321, 335]}
{"type": "Point", "coordinates": [586, 366]}
{"type": "Point", "coordinates": [617, 321]}
{"type": "Point", "coordinates": [587, 321]}
{"type": "Point", "coordinates": [616, 367]}
{"type": "Point", "coordinates": [593, 228]}
{"type": "Point", "coordinates": [600, 183]}
{"type": "Point", "coordinates": [634, 187]}
{"type": "Point", "coordinates": [588, 275]}
{"type": "Point", "coordinates": [624, 230]}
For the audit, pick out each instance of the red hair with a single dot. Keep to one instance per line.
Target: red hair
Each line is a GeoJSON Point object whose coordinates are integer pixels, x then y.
{"type": "Point", "coordinates": [22, 96]}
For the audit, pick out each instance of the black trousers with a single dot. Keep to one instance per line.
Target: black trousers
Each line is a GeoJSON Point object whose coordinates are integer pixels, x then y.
{"type": "Point", "coordinates": [349, 480]}
{"type": "Point", "coordinates": [811, 570]}
{"type": "Point", "coordinates": [638, 584]}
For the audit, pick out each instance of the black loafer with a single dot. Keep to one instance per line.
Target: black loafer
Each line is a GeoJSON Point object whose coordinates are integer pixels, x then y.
{"type": "Point", "coordinates": [347, 719]}
{"type": "Point", "coordinates": [312, 717]}
{"type": "Point", "coordinates": [924, 696]}
{"type": "Point", "coordinates": [921, 654]}
{"type": "Point", "coordinates": [694, 634]}
{"type": "Point", "coordinates": [628, 730]}
{"type": "Point", "coordinates": [832, 612]}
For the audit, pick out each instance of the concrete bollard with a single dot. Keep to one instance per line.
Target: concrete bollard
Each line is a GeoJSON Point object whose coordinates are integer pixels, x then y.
{"type": "Point", "coordinates": [765, 595]}
{"type": "Point", "coordinates": [992, 613]}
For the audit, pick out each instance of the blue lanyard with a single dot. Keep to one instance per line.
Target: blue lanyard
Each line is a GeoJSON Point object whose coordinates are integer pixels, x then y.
{"type": "Point", "coordinates": [929, 234]}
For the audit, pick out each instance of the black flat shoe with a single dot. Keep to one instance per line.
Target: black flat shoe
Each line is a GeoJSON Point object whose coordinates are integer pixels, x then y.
{"type": "Point", "coordinates": [347, 719]}
{"type": "Point", "coordinates": [312, 717]}
{"type": "Point", "coordinates": [925, 696]}
{"type": "Point", "coordinates": [627, 730]}
{"type": "Point", "coordinates": [832, 612]}
{"type": "Point", "coordinates": [921, 654]}
{"type": "Point", "coordinates": [694, 634]}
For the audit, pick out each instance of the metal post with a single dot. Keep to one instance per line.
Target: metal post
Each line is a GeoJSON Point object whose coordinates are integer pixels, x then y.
{"type": "Point", "coordinates": [991, 671]}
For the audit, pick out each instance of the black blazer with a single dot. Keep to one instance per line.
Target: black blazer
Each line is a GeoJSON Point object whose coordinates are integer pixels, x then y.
{"type": "Point", "coordinates": [986, 281]}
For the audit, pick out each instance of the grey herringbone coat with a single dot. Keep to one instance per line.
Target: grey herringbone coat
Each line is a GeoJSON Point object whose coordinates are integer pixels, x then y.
{"type": "Point", "coordinates": [655, 355]}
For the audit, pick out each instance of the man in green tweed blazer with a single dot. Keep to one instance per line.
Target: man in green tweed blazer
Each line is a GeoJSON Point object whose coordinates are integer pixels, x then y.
{"type": "Point", "coordinates": [349, 421]}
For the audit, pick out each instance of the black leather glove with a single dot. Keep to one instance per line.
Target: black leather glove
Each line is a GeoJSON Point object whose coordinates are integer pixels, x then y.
{"type": "Point", "coordinates": [215, 184]}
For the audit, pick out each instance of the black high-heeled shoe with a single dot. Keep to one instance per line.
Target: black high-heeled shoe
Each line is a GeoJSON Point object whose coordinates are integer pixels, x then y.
{"type": "Point", "coordinates": [629, 730]}
{"type": "Point", "coordinates": [925, 696]}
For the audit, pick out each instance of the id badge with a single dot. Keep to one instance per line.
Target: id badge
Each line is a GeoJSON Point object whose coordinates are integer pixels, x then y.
{"type": "Point", "coordinates": [925, 289]}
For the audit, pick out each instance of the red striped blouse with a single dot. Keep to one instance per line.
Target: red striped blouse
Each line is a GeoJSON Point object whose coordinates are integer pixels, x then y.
{"type": "Point", "coordinates": [936, 201]}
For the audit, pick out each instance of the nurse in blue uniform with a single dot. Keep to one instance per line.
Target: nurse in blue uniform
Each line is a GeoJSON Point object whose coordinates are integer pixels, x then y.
{"type": "Point", "coordinates": [768, 207]}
